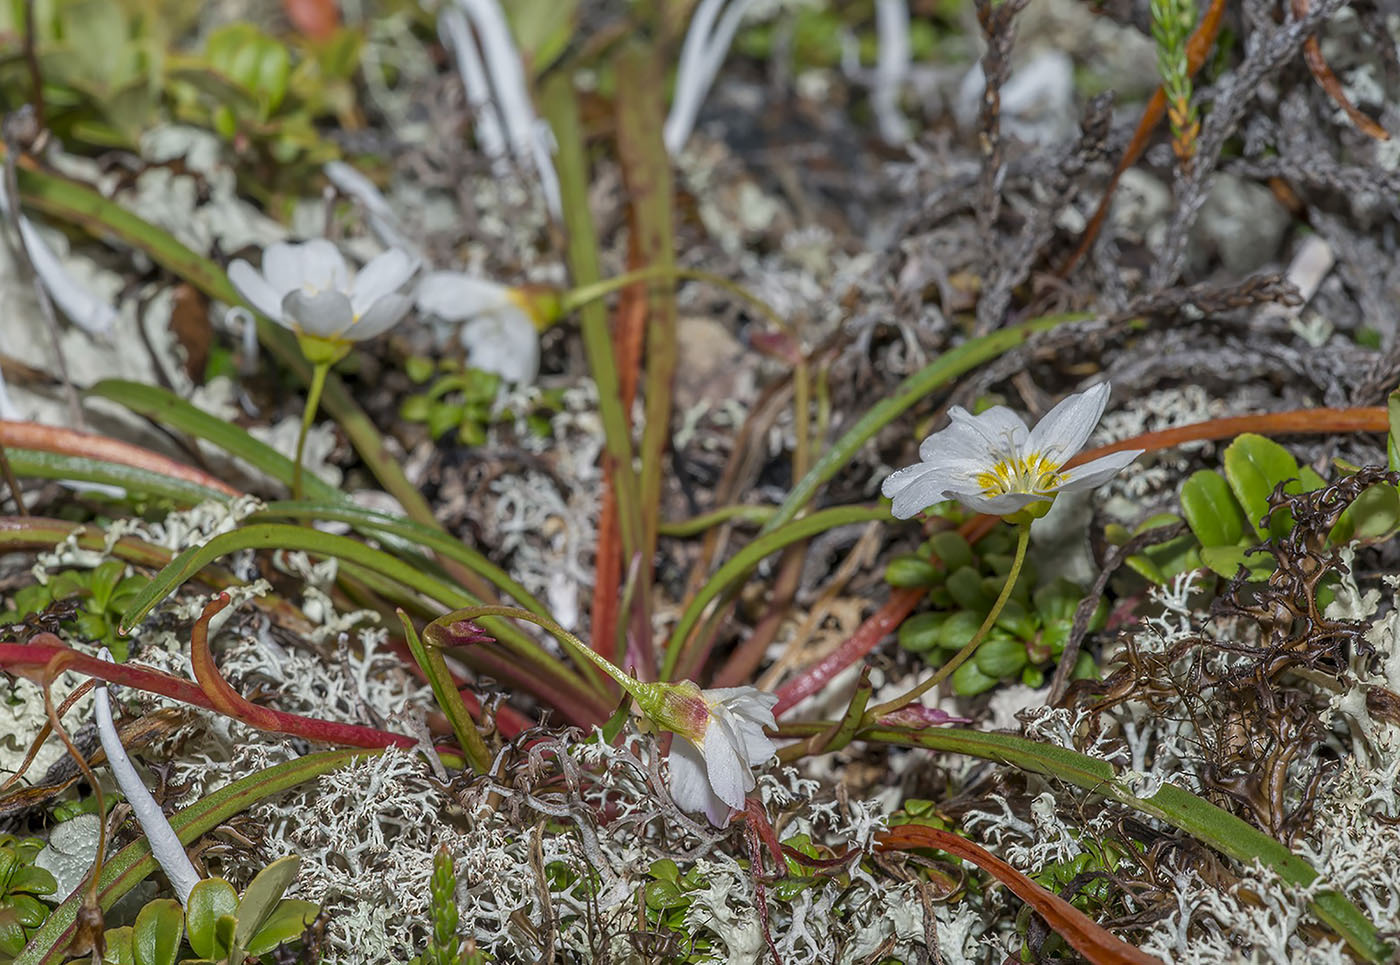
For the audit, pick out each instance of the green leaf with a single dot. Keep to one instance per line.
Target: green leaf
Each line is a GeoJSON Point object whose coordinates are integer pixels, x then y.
{"type": "Point", "coordinates": [155, 938]}
{"type": "Point", "coordinates": [1227, 560]}
{"type": "Point", "coordinates": [53, 465]}
{"type": "Point", "coordinates": [287, 922]}
{"type": "Point", "coordinates": [224, 927]}
{"type": "Point", "coordinates": [174, 413]}
{"type": "Point", "coordinates": [262, 895]}
{"type": "Point", "coordinates": [1210, 509]}
{"type": "Point", "coordinates": [1392, 442]}
{"type": "Point", "coordinates": [209, 900]}
{"type": "Point", "coordinates": [910, 571]}
{"type": "Point", "coordinates": [1255, 465]}
{"type": "Point", "coordinates": [119, 950]}
{"type": "Point", "coordinates": [952, 548]}
{"type": "Point", "coordinates": [920, 632]}
{"type": "Point", "coordinates": [1000, 656]}
{"type": "Point", "coordinates": [1373, 514]}
{"type": "Point", "coordinates": [969, 680]}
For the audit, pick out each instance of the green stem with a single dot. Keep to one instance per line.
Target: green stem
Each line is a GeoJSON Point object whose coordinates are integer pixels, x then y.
{"type": "Point", "coordinates": [313, 402]}
{"type": "Point", "coordinates": [434, 667]}
{"type": "Point", "coordinates": [1023, 538]}
{"type": "Point", "coordinates": [439, 635]}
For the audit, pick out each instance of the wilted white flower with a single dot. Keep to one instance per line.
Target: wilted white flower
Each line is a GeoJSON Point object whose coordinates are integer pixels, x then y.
{"type": "Point", "coordinates": [720, 740]}
{"type": "Point", "coordinates": [501, 331]}
{"type": "Point", "coordinates": [992, 464]}
{"type": "Point", "coordinates": [165, 843]}
{"type": "Point", "coordinates": [81, 306]}
{"type": "Point", "coordinates": [309, 288]}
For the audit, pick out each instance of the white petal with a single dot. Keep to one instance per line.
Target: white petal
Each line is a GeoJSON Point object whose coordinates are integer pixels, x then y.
{"type": "Point", "coordinates": [254, 287]}
{"type": "Point", "coordinates": [1001, 429]}
{"type": "Point", "coordinates": [455, 297]}
{"type": "Point", "coordinates": [505, 342]}
{"type": "Point", "coordinates": [323, 267]}
{"type": "Point", "coordinates": [1098, 471]}
{"type": "Point", "coordinates": [919, 493]}
{"type": "Point", "coordinates": [282, 267]}
{"type": "Point", "coordinates": [383, 315]}
{"type": "Point", "coordinates": [314, 266]}
{"type": "Point", "coordinates": [729, 775]}
{"type": "Point", "coordinates": [957, 441]}
{"type": "Point", "coordinates": [689, 787]}
{"type": "Point", "coordinates": [326, 313]}
{"type": "Point", "coordinates": [1003, 504]}
{"type": "Point", "coordinates": [1066, 428]}
{"type": "Point", "coordinates": [8, 410]}
{"type": "Point", "coordinates": [384, 275]}
{"type": "Point", "coordinates": [81, 307]}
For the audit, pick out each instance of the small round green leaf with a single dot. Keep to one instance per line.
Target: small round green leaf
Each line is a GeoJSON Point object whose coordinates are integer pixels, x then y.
{"type": "Point", "coordinates": [210, 900]}
{"type": "Point", "coordinates": [155, 938]}
{"type": "Point", "coordinates": [1211, 510]}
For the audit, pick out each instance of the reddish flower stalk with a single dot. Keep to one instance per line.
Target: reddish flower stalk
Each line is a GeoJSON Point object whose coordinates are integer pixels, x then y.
{"type": "Point", "coordinates": [48, 654]}
{"type": "Point", "coordinates": [902, 602]}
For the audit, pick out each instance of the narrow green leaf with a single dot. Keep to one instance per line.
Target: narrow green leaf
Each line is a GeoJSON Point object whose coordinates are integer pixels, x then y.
{"type": "Point", "coordinates": [1392, 442]}
{"type": "Point", "coordinates": [169, 410]}
{"type": "Point", "coordinates": [1210, 509]}
{"type": "Point", "coordinates": [53, 465]}
{"type": "Point", "coordinates": [272, 536]}
{"type": "Point", "coordinates": [369, 522]}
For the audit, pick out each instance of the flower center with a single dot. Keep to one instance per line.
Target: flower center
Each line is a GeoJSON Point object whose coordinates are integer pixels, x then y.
{"type": "Point", "coordinates": [1029, 473]}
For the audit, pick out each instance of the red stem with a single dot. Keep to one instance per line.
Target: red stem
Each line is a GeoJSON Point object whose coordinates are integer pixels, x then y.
{"type": "Point", "coordinates": [29, 660]}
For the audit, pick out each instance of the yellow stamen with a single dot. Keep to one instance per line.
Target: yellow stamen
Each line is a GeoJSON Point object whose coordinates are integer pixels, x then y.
{"type": "Point", "coordinates": [1030, 473]}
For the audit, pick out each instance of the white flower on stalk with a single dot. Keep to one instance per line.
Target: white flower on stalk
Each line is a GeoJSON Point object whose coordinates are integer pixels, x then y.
{"type": "Point", "coordinates": [992, 464]}
{"type": "Point", "coordinates": [719, 741]}
{"type": "Point", "coordinates": [502, 324]}
{"type": "Point", "coordinates": [309, 288]}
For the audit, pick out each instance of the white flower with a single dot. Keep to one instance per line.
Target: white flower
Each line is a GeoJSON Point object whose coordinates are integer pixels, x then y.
{"type": "Point", "coordinates": [308, 288]}
{"type": "Point", "coordinates": [500, 331]}
{"type": "Point", "coordinates": [992, 464]}
{"type": "Point", "coordinates": [719, 740]}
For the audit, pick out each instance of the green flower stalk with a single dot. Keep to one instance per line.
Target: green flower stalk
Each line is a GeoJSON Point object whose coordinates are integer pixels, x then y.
{"type": "Point", "coordinates": [992, 463]}
{"type": "Point", "coordinates": [309, 289]}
